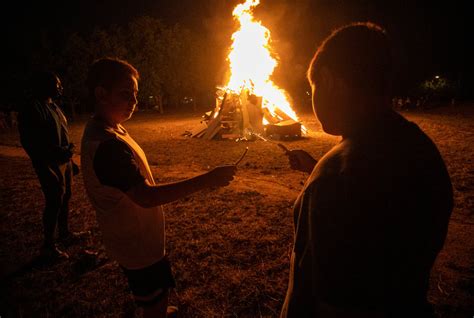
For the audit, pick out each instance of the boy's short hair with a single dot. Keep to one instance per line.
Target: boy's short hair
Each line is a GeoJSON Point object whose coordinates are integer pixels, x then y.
{"type": "Point", "coordinates": [360, 53]}
{"type": "Point", "coordinates": [107, 71]}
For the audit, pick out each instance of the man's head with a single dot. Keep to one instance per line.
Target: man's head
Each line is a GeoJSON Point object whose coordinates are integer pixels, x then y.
{"type": "Point", "coordinates": [113, 85]}
{"type": "Point", "coordinates": [351, 77]}
{"type": "Point", "coordinates": [46, 84]}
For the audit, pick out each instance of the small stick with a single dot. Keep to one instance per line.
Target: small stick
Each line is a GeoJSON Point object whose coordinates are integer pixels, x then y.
{"type": "Point", "coordinates": [242, 156]}
{"type": "Point", "coordinates": [287, 152]}
{"type": "Point", "coordinates": [260, 136]}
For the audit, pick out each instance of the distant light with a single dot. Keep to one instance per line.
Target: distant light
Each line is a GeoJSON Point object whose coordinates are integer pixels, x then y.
{"type": "Point", "coordinates": [437, 76]}
{"type": "Point", "coordinates": [307, 93]}
{"type": "Point", "coordinates": [150, 97]}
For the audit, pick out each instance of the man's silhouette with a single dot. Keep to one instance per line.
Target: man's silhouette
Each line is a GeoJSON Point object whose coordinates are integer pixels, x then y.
{"type": "Point", "coordinates": [374, 213]}
{"type": "Point", "coordinates": [44, 136]}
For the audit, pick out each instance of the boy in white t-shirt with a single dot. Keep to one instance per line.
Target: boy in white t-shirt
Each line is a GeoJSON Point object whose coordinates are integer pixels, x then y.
{"type": "Point", "coordinates": [121, 187]}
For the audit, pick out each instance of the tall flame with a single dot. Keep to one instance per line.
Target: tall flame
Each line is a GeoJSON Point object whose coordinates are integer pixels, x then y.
{"type": "Point", "coordinates": [251, 62]}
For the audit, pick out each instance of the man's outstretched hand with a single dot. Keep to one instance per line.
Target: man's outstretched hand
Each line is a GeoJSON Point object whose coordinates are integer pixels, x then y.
{"type": "Point", "coordinates": [220, 176]}
{"type": "Point", "coordinates": [301, 160]}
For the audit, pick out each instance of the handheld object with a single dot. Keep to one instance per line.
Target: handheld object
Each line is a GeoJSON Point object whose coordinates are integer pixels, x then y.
{"type": "Point", "coordinates": [242, 156]}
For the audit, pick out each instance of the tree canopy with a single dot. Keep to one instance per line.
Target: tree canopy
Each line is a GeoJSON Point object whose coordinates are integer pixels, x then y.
{"type": "Point", "coordinates": [175, 64]}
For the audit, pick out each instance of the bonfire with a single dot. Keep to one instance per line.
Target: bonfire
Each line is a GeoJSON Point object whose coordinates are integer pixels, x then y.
{"type": "Point", "coordinates": [250, 105]}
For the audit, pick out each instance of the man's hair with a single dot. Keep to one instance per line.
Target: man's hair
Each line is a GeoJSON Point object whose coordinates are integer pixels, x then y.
{"type": "Point", "coordinates": [43, 84]}
{"type": "Point", "coordinates": [360, 53]}
{"type": "Point", "coordinates": [106, 72]}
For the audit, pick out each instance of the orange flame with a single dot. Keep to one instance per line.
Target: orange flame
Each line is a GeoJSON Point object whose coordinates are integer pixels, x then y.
{"type": "Point", "coordinates": [252, 64]}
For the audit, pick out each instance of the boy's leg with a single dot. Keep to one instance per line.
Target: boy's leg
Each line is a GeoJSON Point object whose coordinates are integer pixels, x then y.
{"type": "Point", "coordinates": [158, 309]}
{"type": "Point", "coordinates": [150, 287]}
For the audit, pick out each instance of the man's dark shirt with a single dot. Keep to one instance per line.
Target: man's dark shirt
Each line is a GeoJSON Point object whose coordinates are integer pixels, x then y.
{"type": "Point", "coordinates": [44, 133]}
{"type": "Point", "coordinates": [370, 222]}
{"type": "Point", "coordinates": [115, 165]}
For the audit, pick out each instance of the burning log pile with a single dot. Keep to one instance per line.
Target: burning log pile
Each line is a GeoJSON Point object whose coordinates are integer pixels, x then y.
{"type": "Point", "coordinates": [250, 105]}
{"type": "Point", "coordinates": [244, 117]}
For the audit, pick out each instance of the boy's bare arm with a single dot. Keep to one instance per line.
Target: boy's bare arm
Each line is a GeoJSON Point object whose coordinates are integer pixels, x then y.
{"type": "Point", "coordinates": [147, 195]}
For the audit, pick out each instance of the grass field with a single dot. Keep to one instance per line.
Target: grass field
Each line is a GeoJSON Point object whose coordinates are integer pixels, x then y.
{"type": "Point", "coordinates": [230, 247]}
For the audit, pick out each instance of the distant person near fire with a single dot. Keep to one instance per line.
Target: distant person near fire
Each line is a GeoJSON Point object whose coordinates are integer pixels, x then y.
{"type": "Point", "coordinates": [122, 189]}
{"type": "Point", "coordinates": [44, 136]}
{"type": "Point", "coordinates": [374, 213]}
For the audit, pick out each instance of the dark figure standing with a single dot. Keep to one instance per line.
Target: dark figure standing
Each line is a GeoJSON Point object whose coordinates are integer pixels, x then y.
{"type": "Point", "coordinates": [44, 136]}
{"type": "Point", "coordinates": [374, 213]}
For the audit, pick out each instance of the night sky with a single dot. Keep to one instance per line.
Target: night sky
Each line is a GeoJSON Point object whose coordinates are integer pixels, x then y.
{"type": "Point", "coordinates": [429, 37]}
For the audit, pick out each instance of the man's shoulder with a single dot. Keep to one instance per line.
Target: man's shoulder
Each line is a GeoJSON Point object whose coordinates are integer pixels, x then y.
{"type": "Point", "coordinates": [32, 107]}
{"type": "Point", "coordinates": [332, 163]}
{"type": "Point", "coordinates": [338, 154]}
{"type": "Point", "coordinates": [403, 131]}
{"type": "Point", "coordinates": [410, 141]}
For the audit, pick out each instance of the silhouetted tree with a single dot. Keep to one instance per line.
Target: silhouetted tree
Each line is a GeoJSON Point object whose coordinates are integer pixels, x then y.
{"type": "Point", "coordinates": [174, 62]}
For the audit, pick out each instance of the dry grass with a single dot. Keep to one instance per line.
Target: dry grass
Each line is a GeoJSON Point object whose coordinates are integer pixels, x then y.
{"type": "Point", "coordinates": [229, 247]}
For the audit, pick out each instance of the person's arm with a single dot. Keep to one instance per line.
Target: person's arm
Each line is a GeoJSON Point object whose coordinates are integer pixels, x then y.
{"type": "Point", "coordinates": [31, 128]}
{"type": "Point", "coordinates": [35, 139]}
{"type": "Point", "coordinates": [147, 195]}
{"type": "Point", "coordinates": [115, 166]}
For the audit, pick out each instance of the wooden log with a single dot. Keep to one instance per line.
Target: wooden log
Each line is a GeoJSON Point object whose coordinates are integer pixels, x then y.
{"type": "Point", "coordinates": [269, 117]}
{"type": "Point", "coordinates": [198, 131]}
{"type": "Point", "coordinates": [281, 114]}
{"type": "Point", "coordinates": [230, 136]}
{"type": "Point", "coordinates": [213, 128]}
{"type": "Point", "coordinates": [287, 128]}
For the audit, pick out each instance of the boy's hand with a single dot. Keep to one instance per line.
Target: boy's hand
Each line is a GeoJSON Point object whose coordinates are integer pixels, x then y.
{"type": "Point", "coordinates": [220, 176]}
{"type": "Point", "coordinates": [301, 160]}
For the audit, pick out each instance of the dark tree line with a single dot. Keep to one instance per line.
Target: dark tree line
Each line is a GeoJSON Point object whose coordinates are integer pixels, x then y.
{"type": "Point", "coordinates": [177, 66]}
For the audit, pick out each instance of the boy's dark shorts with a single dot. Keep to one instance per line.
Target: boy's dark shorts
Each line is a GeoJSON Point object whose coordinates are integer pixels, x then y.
{"type": "Point", "coordinates": [150, 284]}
